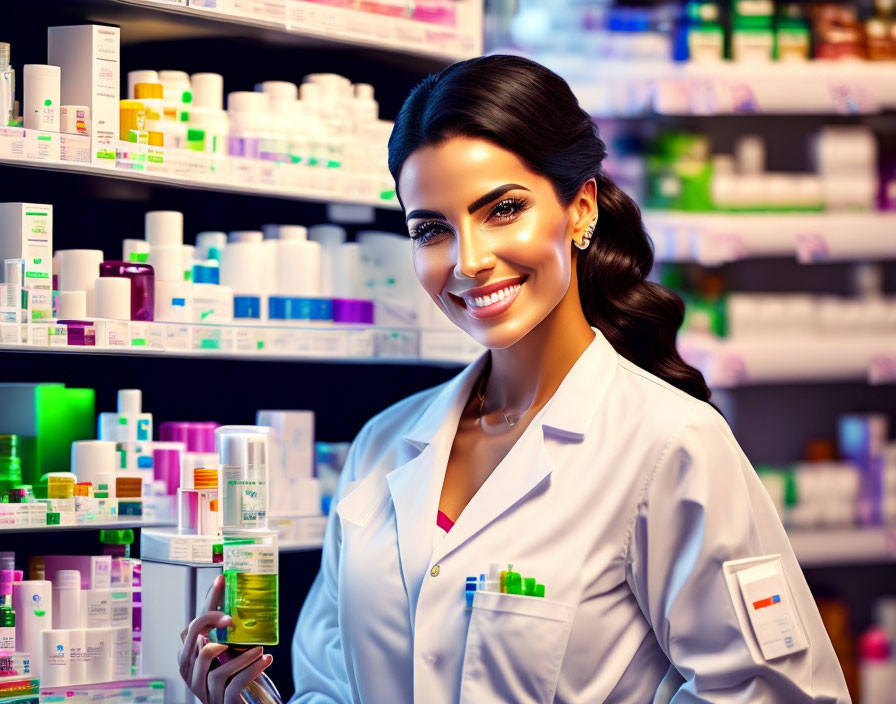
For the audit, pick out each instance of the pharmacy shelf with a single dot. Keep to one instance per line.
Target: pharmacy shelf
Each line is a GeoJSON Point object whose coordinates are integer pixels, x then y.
{"type": "Point", "coordinates": [712, 239]}
{"type": "Point", "coordinates": [731, 363]}
{"type": "Point", "coordinates": [324, 185]}
{"type": "Point", "coordinates": [844, 546]}
{"type": "Point", "coordinates": [359, 344]}
{"type": "Point", "coordinates": [612, 88]}
{"type": "Point", "coordinates": [121, 523]}
{"type": "Point", "coordinates": [339, 25]}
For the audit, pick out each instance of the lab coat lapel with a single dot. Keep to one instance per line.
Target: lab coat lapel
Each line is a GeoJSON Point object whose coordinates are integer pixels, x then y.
{"type": "Point", "coordinates": [566, 417]}
{"type": "Point", "coordinates": [416, 485]}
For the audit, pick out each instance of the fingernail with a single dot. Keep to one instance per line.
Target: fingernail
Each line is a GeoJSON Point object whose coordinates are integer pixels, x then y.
{"type": "Point", "coordinates": [268, 658]}
{"type": "Point", "coordinates": [225, 620]}
{"type": "Point", "coordinates": [218, 580]}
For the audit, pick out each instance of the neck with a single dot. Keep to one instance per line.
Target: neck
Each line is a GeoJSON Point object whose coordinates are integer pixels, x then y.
{"type": "Point", "coordinates": [526, 374]}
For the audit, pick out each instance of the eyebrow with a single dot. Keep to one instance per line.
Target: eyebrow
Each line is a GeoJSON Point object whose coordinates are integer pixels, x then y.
{"type": "Point", "coordinates": [493, 194]}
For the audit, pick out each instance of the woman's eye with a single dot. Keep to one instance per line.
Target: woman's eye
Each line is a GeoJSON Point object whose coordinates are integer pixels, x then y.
{"type": "Point", "coordinates": [508, 208]}
{"type": "Point", "coordinates": [426, 231]}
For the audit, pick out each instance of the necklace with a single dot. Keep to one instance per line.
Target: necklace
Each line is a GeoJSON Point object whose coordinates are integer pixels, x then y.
{"type": "Point", "coordinates": [510, 421]}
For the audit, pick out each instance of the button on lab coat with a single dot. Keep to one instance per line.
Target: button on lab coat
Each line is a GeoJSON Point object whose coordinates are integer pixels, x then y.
{"type": "Point", "coordinates": [624, 496]}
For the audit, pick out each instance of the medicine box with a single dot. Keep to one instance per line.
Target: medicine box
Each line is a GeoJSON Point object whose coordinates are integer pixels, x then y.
{"type": "Point", "coordinates": [90, 58]}
{"type": "Point", "coordinates": [26, 232]}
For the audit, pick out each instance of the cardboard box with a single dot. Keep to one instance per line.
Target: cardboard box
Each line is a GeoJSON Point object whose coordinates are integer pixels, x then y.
{"type": "Point", "coordinates": [26, 232]}
{"type": "Point", "coordinates": [90, 58]}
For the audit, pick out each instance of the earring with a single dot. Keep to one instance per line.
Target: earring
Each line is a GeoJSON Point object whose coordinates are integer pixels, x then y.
{"type": "Point", "coordinates": [586, 238]}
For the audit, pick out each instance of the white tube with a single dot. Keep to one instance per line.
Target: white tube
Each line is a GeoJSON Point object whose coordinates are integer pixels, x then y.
{"type": "Point", "coordinates": [33, 604]}
{"type": "Point", "coordinates": [92, 459]}
{"type": "Point", "coordinates": [298, 268]}
{"type": "Point", "coordinates": [71, 305]}
{"type": "Point", "coordinates": [112, 298]}
{"type": "Point", "coordinates": [97, 655]}
{"type": "Point", "coordinates": [164, 228]}
{"type": "Point", "coordinates": [208, 90]}
{"type": "Point", "coordinates": [133, 250]}
{"type": "Point", "coordinates": [121, 653]}
{"type": "Point", "coordinates": [43, 85]}
{"type": "Point", "coordinates": [67, 599]}
{"type": "Point", "coordinates": [167, 262]}
{"type": "Point", "coordinates": [78, 271]}
{"type": "Point", "coordinates": [140, 76]}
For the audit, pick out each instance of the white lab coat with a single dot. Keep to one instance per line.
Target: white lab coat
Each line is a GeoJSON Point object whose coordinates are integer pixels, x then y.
{"type": "Point", "coordinates": [624, 496]}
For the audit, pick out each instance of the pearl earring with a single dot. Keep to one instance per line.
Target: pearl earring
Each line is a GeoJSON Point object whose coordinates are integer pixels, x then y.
{"type": "Point", "coordinates": [586, 238]}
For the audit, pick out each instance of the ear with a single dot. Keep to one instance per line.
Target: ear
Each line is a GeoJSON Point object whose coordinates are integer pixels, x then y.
{"type": "Point", "coordinates": [583, 209]}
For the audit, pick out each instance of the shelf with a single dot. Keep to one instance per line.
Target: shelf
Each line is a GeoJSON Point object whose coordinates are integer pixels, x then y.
{"type": "Point", "coordinates": [612, 88]}
{"type": "Point", "coordinates": [185, 169]}
{"type": "Point", "coordinates": [844, 546]}
{"type": "Point", "coordinates": [359, 344]}
{"type": "Point", "coordinates": [338, 25]}
{"type": "Point", "coordinates": [712, 239]}
{"type": "Point", "coordinates": [731, 363]}
{"type": "Point", "coordinates": [125, 522]}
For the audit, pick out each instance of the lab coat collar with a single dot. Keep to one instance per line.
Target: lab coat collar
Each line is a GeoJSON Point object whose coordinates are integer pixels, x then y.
{"type": "Point", "coordinates": [570, 411]}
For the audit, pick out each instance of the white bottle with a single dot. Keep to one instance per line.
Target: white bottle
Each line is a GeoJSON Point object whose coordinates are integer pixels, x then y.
{"type": "Point", "coordinates": [243, 460]}
{"type": "Point", "coordinates": [7, 85]}
{"type": "Point", "coordinates": [33, 603]}
{"type": "Point", "coordinates": [67, 612]}
{"type": "Point", "coordinates": [877, 668]}
{"type": "Point", "coordinates": [43, 85]}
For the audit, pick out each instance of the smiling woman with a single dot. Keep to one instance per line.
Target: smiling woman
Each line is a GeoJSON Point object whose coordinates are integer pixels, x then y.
{"type": "Point", "coordinates": [568, 519]}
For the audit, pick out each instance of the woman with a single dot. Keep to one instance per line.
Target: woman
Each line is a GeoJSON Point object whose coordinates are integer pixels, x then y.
{"type": "Point", "coordinates": [579, 448]}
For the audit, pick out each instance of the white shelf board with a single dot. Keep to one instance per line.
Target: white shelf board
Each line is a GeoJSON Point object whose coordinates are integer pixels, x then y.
{"type": "Point", "coordinates": [331, 344]}
{"type": "Point", "coordinates": [730, 363]}
{"type": "Point", "coordinates": [345, 184]}
{"type": "Point", "coordinates": [844, 546]}
{"type": "Point", "coordinates": [712, 239]}
{"type": "Point", "coordinates": [613, 88]}
{"type": "Point", "coordinates": [122, 523]}
{"type": "Point", "coordinates": [342, 25]}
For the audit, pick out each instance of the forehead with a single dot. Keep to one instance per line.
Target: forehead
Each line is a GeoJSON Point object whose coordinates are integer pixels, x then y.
{"type": "Point", "coordinates": [459, 170]}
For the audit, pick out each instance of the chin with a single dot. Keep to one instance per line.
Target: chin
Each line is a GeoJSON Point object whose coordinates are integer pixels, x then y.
{"type": "Point", "coordinates": [497, 335]}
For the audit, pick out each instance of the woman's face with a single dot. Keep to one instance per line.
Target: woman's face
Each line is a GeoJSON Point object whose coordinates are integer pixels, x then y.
{"type": "Point", "coordinates": [492, 244]}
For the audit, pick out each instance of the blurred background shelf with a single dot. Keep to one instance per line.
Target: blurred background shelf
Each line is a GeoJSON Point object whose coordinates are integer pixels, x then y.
{"type": "Point", "coordinates": [731, 363]}
{"type": "Point", "coordinates": [711, 239]}
{"type": "Point", "coordinates": [844, 546]}
{"type": "Point", "coordinates": [295, 19]}
{"type": "Point", "coordinates": [122, 523]}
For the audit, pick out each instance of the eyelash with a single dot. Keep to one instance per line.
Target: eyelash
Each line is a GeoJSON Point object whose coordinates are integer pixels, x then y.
{"type": "Point", "coordinates": [423, 232]}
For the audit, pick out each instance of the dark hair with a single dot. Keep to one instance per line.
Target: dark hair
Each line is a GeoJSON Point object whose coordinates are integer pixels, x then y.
{"type": "Point", "coordinates": [529, 110]}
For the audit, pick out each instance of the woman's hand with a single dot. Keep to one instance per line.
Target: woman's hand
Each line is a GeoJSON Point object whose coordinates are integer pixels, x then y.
{"type": "Point", "coordinates": [223, 684]}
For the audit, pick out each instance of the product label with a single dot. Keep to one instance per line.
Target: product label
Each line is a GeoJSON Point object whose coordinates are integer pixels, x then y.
{"type": "Point", "coordinates": [250, 559]}
{"type": "Point", "coordinates": [245, 500]}
{"type": "Point", "coordinates": [8, 639]}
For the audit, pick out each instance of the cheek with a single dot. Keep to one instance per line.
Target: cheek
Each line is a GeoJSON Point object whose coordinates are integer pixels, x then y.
{"type": "Point", "coordinates": [544, 248]}
{"type": "Point", "coordinates": [433, 265]}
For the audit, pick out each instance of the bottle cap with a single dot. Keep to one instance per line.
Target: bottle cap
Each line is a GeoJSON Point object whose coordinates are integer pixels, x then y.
{"type": "Point", "coordinates": [67, 579]}
{"type": "Point", "coordinates": [153, 91]}
{"type": "Point", "coordinates": [205, 478]}
{"type": "Point", "coordinates": [874, 645]}
{"type": "Point", "coordinates": [242, 445]}
{"type": "Point", "coordinates": [130, 401]}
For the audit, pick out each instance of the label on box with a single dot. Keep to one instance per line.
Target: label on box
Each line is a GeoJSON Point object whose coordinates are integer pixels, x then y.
{"type": "Point", "coordinates": [250, 559]}
{"type": "Point", "coordinates": [118, 333]}
{"type": "Point", "coordinates": [42, 146]}
{"type": "Point", "coordinates": [74, 148]}
{"type": "Point", "coordinates": [12, 143]}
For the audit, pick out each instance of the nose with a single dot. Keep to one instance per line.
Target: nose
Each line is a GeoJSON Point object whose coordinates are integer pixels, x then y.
{"type": "Point", "coordinates": [474, 254]}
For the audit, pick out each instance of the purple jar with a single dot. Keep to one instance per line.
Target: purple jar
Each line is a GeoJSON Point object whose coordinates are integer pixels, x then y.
{"type": "Point", "coordinates": [142, 285]}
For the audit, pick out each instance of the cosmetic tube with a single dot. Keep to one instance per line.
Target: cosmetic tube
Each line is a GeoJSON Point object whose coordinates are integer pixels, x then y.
{"type": "Point", "coordinates": [33, 604]}
{"type": "Point", "coordinates": [67, 611]}
{"type": "Point", "coordinates": [62, 657]}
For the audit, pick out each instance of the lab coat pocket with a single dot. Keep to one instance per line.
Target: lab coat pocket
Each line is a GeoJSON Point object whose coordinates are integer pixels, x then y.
{"type": "Point", "coordinates": [515, 646]}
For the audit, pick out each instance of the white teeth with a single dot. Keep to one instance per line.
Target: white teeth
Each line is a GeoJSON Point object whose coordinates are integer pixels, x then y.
{"type": "Point", "coordinates": [489, 299]}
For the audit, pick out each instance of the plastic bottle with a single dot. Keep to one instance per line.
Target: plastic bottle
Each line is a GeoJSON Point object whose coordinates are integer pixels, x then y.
{"type": "Point", "coordinates": [877, 667]}
{"type": "Point", "coordinates": [250, 588]}
{"type": "Point", "coordinates": [10, 463]}
{"type": "Point", "coordinates": [67, 600]}
{"type": "Point", "coordinates": [243, 461]}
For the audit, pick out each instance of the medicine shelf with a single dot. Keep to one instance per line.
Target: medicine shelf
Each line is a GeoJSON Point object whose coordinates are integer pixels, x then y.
{"type": "Point", "coordinates": [712, 239]}
{"type": "Point", "coordinates": [358, 344]}
{"type": "Point", "coordinates": [324, 185]}
{"type": "Point", "coordinates": [731, 363]}
{"type": "Point", "coordinates": [315, 21]}
{"type": "Point", "coordinates": [124, 522]}
{"type": "Point", "coordinates": [613, 88]}
{"type": "Point", "coordinates": [831, 547]}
